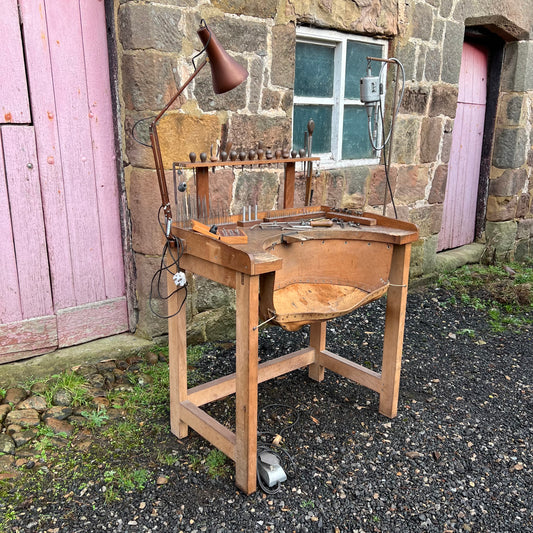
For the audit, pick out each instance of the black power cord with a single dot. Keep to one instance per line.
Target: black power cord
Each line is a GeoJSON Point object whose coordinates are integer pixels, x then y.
{"type": "Point", "coordinates": [274, 450]}
{"type": "Point", "coordinates": [173, 267]}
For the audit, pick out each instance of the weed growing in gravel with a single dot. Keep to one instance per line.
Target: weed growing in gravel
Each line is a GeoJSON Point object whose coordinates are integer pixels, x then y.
{"type": "Point", "coordinates": [96, 418]}
{"type": "Point", "coordinates": [2, 393]}
{"type": "Point", "coordinates": [216, 464]}
{"type": "Point", "coordinates": [168, 459]}
{"type": "Point", "coordinates": [71, 382]}
{"type": "Point", "coordinates": [504, 292]}
{"type": "Point", "coordinates": [9, 516]}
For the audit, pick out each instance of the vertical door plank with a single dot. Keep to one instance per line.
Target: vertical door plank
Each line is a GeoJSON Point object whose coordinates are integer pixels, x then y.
{"type": "Point", "coordinates": [14, 101]}
{"type": "Point", "coordinates": [473, 75]}
{"type": "Point", "coordinates": [27, 220]}
{"type": "Point", "coordinates": [9, 284]}
{"type": "Point", "coordinates": [43, 106]}
{"type": "Point", "coordinates": [103, 142]}
{"type": "Point", "coordinates": [459, 209]}
{"type": "Point", "coordinates": [70, 89]}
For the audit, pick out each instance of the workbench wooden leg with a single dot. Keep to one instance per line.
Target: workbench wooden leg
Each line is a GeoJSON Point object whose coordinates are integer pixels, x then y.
{"type": "Point", "coordinates": [177, 357]}
{"type": "Point", "coordinates": [394, 330]}
{"type": "Point", "coordinates": [247, 304]}
{"type": "Point", "coordinates": [317, 340]}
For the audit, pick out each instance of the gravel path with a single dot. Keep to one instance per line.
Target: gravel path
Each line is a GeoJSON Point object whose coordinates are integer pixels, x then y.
{"type": "Point", "coordinates": [458, 456]}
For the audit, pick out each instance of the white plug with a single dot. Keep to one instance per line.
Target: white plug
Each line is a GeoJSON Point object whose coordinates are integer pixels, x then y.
{"type": "Point", "coordinates": [179, 279]}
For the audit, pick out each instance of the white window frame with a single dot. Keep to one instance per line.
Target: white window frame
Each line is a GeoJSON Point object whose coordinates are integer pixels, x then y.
{"type": "Point", "coordinates": [338, 41]}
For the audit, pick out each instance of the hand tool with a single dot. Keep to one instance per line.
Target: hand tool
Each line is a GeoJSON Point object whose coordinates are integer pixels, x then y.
{"type": "Point", "coordinates": [308, 188]}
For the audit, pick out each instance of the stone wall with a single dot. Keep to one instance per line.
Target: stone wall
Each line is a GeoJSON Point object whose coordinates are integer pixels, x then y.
{"type": "Point", "coordinates": [157, 40]}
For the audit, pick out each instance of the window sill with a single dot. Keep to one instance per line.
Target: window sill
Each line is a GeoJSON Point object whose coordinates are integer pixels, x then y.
{"type": "Point", "coordinates": [329, 164]}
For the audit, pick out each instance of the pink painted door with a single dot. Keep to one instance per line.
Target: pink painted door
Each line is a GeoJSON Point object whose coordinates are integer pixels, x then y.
{"type": "Point", "coordinates": [459, 210]}
{"type": "Point", "coordinates": [61, 249]}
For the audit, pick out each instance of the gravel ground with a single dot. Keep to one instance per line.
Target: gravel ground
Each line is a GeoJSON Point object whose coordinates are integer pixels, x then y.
{"type": "Point", "coordinates": [457, 457]}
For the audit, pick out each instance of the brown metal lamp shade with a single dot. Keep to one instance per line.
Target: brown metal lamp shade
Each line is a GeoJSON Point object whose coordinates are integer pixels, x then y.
{"type": "Point", "coordinates": [226, 73]}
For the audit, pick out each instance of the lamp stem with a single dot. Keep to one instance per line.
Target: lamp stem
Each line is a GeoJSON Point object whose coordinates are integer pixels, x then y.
{"type": "Point", "coordinates": [156, 149]}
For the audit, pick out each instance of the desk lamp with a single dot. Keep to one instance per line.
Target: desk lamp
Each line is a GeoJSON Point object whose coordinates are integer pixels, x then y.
{"type": "Point", "coordinates": [226, 74]}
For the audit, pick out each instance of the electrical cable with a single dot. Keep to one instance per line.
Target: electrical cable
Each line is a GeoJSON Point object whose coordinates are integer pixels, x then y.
{"type": "Point", "coordinates": [171, 242]}
{"type": "Point", "coordinates": [378, 108]}
{"type": "Point", "coordinates": [380, 105]}
{"type": "Point", "coordinates": [386, 167]}
{"type": "Point", "coordinates": [133, 130]}
{"type": "Point", "coordinates": [275, 450]}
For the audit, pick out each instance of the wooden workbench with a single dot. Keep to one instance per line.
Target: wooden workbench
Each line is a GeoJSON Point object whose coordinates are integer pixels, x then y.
{"type": "Point", "coordinates": [251, 270]}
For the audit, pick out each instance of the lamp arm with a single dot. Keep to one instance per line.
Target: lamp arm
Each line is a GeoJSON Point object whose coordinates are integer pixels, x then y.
{"type": "Point", "coordinates": [156, 149]}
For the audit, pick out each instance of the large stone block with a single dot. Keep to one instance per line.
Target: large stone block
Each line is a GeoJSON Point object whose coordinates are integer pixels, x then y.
{"type": "Point", "coordinates": [511, 182]}
{"type": "Point", "coordinates": [430, 254]}
{"type": "Point", "coordinates": [501, 238]}
{"type": "Point", "coordinates": [514, 106]}
{"type": "Point", "coordinates": [524, 205]}
{"type": "Point", "coordinates": [452, 51]}
{"type": "Point", "coordinates": [233, 100]}
{"type": "Point", "coordinates": [136, 136]}
{"type": "Point", "coordinates": [246, 130]}
{"type": "Point", "coordinates": [265, 9]}
{"type": "Point", "coordinates": [422, 21]}
{"type": "Point", "coordinates": [255, 187]}
{"type": "Point", "coordinates": [212, 325]}
{"type": "Point", "coordinates": [181, 133]}
{"type": "Point", "coordinates": [438, 185]}
{"type": "Point", "coordinates": [411, 184]}
{"type": "Point", "coordinates": [221, 189]}
{"type": "Point", "coordinates": [445, 9]}
{"type": "Point", "coordinates": [406, 53]}
{"type": "Point", "coordinates": [500, 208]}
{"type": "Point", "coordinates": [415, 100]}
{"type": "Point", "coordinates": [257, 69]}
{"type": "Point", "coordinates": [143, 202]}
{"type": "Point", "coordinates": [378, 185]}
{"type": "Point", "coordinates": [524, 228]}
{"type": "Point", "coordinates": [270, 99]}
{"type": "Point", "coordinates": [148, 80]}
{"type": "Point", "coordinates": [427, 218]}
{"type": "Point", "coordinates": [143, 26]}
{"type": "Point", "coordinates": [212, 295]}
{"type": "Point", "coordinates": [432, 65]}
{"type": "Point", "coordinates": [241, 35]}
{"type": "Point", "coordinates": [283, 52]}
{"type": "Point", "coordinates": [443, 101]}
{"type": "Point", "coordinates": [430, 139]}
{"type": "Point", "coordinates": [447, 138]}
{"type": "Point", "coordinates": [517, 69]}
{"type": "Point", "coordinates": [523, 250]}
{"type": "Point", "coordinates": [355, 190]}
{"type": "Point", "coordinates": [510, 147]}
{"type": "Point", "coordinates": [406, 136]}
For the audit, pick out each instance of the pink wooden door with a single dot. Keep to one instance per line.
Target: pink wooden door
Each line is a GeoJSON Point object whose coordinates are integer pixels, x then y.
{"type": "Point", "coordinates": [459, 211]}
{"type": "Point", "coordinates": [61, 249]}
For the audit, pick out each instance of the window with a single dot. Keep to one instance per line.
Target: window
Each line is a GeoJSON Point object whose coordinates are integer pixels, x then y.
{"type": "Point", "coordinates": [328, 69]}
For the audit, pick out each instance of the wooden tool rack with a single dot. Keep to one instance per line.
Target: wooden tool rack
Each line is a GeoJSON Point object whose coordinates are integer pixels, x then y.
{"type": "Point", "coordinates": [247, 268]}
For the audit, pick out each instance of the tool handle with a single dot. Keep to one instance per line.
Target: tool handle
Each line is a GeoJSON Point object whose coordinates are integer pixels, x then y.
{"type": "Point", "coordinates": [311, 127]}
{"type": "Point", "coordinates": [322, 223]}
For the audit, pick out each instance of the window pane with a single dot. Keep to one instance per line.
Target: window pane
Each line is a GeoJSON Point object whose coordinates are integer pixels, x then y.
{"type": "Point", "coordinates": [355, 141]}
{"type": "Point", "coordinates": [314, 70]}
{"type": "Point", "coordinates": [356, 63]}
{"type": "Point", "coordinates": [321, 114]}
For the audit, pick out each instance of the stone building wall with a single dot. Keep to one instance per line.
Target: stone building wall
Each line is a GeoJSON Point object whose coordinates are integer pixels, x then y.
{"type": "Point", "coordinates": [157, 39]}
